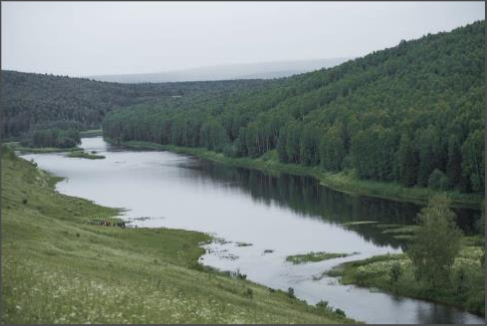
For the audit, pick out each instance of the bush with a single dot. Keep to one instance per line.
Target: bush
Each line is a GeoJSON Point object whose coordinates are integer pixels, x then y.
{"type": "Point", "coordinates": [249, 293]}
{"type": "Point", "coordinates": [322, 304]}
{"type": "Point", "coordinates": [239, 275]}
{"type": "Point", "coordinates": [290, 293]}
{"type": "Point", "coordinates": [461, 283]}
{"type": "Point", "coordinates": [8, 152]}
{"type": "Point", "coordinates": [438, 180]}
{"type": "Point", "coordinates": [395, 272]}
{"type": "Point", "coordinates": [340, 312]}
{"type": "Point", "coordinates": [360, 277]}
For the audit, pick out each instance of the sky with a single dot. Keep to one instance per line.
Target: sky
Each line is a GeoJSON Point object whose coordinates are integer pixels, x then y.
{"type": "Point", "coordinates": [97, 38]}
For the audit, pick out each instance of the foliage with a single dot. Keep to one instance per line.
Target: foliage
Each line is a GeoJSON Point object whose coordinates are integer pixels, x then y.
{"type": "Point", "coordinates": [438, 180]}
{"type": "Point", "coordinates": [58, 138]}
{"type": "Point", "coordinates": [395, 272]}
{"type": "Point", "coordinates": [466, 291]}
{"type": "Point", "coordinates": [40, 101]}
{"type": "Point", "coordinates": [313, 257]}
{"type": "Point", "coordinates": [81, 154]}
{"type": "Point", "coordinates": [436, 242]}
{"type": "Point", "coordinates": [396, 115]}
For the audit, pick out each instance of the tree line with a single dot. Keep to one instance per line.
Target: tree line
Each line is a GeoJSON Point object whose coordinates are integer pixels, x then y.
{"type": "Point", "coordinates": [33, 102]}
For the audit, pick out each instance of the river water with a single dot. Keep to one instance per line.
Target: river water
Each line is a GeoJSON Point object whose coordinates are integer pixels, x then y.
{"type": "Point", "coordinates": [278, 215]}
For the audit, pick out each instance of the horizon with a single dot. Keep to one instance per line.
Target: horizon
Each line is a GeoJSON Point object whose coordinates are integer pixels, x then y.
{"type": "Point", "coordinates": [100, 48]}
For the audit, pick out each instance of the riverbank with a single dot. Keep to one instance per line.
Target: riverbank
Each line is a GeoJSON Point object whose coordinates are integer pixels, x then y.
{"type": "Point", "coordinates": [60, 267]}
{"type": "Point", "coordinates": [342, 182]}
{"type": "Point", "coordinates": [40, 150]}
{"type": "Point", "coordinates": [467, 291]}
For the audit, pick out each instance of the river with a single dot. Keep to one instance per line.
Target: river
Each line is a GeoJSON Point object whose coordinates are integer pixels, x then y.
{"type": "Point", "coordinates": [278, 215]}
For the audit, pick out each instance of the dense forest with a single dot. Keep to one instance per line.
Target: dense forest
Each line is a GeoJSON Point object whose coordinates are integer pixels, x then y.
{"type": "Point", "coordinates": [53, 137]}
{"type": "Point", "coordinates": [412, 114]}
{"type": "Point", "coordinates": [32, 102]}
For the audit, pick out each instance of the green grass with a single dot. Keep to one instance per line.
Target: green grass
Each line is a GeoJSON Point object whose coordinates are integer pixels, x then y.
{"type": "Point", "coordinates": [397, 231]}
{"type": "Point", "coordinates": [58, 268]}
{"type": "Point", "coordinates": [313, 257]}
{"type": "Point", "coordinates": [346, 182]}
{"type": "Point", "coordinates": [40, 150]}
{"type": "Point", "coordinates": [375, 273]}
{"type": "Point", "coordinates": [81, 154]}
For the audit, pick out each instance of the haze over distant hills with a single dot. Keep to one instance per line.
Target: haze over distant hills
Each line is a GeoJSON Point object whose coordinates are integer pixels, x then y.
{"type": "Point", "coordinates": [261, 70]}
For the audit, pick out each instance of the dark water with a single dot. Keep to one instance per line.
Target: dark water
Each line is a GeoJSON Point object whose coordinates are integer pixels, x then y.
{"type": "Point", "coordinates": [305, 196]}
{"type": "Point", "coordinates": [284, 214]}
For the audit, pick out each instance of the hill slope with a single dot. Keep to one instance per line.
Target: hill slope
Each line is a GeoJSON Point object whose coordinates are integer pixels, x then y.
{"type": "Point", "coordinates": [412, 114]}
{"type": "Point", "coordinates": [36, 101]}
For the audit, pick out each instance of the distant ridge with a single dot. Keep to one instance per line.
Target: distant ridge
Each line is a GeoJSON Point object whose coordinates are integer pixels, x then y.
{"type": "Point", "coordinates": [262, 70]}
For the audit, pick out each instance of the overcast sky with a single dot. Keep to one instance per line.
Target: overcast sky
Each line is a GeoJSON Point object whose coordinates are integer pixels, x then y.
{"type": "Point", "coordinates": [90, 38]}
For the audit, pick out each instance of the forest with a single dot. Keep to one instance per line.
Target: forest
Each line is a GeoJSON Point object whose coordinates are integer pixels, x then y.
{"type": "Point", "coordinates": [32, 102]}
{"type": "Point", "coordinates": [411, 114]}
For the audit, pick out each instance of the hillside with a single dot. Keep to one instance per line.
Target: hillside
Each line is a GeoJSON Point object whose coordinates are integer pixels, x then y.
{"type": "Point", "coordinates": [36, 101]}
{"type": "Point", "coordinates": [58, 267]}
{"type": "Point", "coordinates": [411, 115]}
{"type": "Point", "coordinates": [263, 70]}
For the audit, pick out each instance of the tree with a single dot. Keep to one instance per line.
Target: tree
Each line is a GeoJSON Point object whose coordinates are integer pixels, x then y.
{"type": "Point", "coordinates": [436, 242]}
{"type": "Point", "coordinates": [454, 165]}
{"type": "Point", "coordinates": [332, 149]}
{"type": "Point", "coordinates": [438, 180]}
{"type": "Point", "coordinates": [406, 162]}
{"type": "Point", "coordinates": [429, 150]}
{"type": "Point", "coordinates": [373, 153]}
{"type": "Point", "coordinates": [482, 231]}
{"type": "Point", "coordinates": [309, 146]}
{"type": "Point", "coordinates": [473, 152]}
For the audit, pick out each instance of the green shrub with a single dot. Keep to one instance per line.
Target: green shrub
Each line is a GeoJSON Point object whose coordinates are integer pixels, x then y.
{"type": "Point", "coordinates": [395, 272]}
{"type": "Point", "coordinates": [290, 293]}
{"type": "Point", "coordinates": [438, 180]}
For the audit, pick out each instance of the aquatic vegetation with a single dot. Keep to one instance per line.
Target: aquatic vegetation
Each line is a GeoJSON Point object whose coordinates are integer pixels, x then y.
{"type": "Point", "coordinates": [81, 154]}
{"type": "Point", "coordinates": [243, 244]}
{"type": "Point", "coordinates": [313, 257]}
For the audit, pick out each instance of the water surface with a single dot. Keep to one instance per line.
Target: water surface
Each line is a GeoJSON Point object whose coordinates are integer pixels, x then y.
{"type": "Point", "coordinates": [278, 216]}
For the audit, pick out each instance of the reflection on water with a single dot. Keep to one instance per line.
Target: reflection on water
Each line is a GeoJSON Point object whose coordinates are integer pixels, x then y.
{"type": "Point", "coordinates": [307, 198]}
{"type": "Point", "coordinates": [279, 215]}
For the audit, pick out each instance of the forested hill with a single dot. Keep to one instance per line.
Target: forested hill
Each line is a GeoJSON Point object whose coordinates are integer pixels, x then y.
{"type": "Point", "coordinates": [412, 114]}
{"type": "Point", "coordinates": [37, 101]}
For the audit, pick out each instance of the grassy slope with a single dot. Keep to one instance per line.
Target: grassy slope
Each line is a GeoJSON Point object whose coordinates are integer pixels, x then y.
{"type": "Point", "coordinates": [57, 268]}
{"type": "Point", "coordinates": [342, 182]}
{"type": "Point", "coordinates": [16, 146]}
{"type": "Point", "coordinates": [375, 273]}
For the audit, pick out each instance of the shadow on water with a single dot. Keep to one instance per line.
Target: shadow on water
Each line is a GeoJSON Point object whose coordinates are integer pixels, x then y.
{"type": "Point", "coordinates": [307, 198]}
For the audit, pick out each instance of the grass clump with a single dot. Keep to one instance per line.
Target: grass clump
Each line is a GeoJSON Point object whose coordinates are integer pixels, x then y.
{"type": "Point", "coordinates": [313, 257]}
{"type": "Point", "coordinates": [89, 156]}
